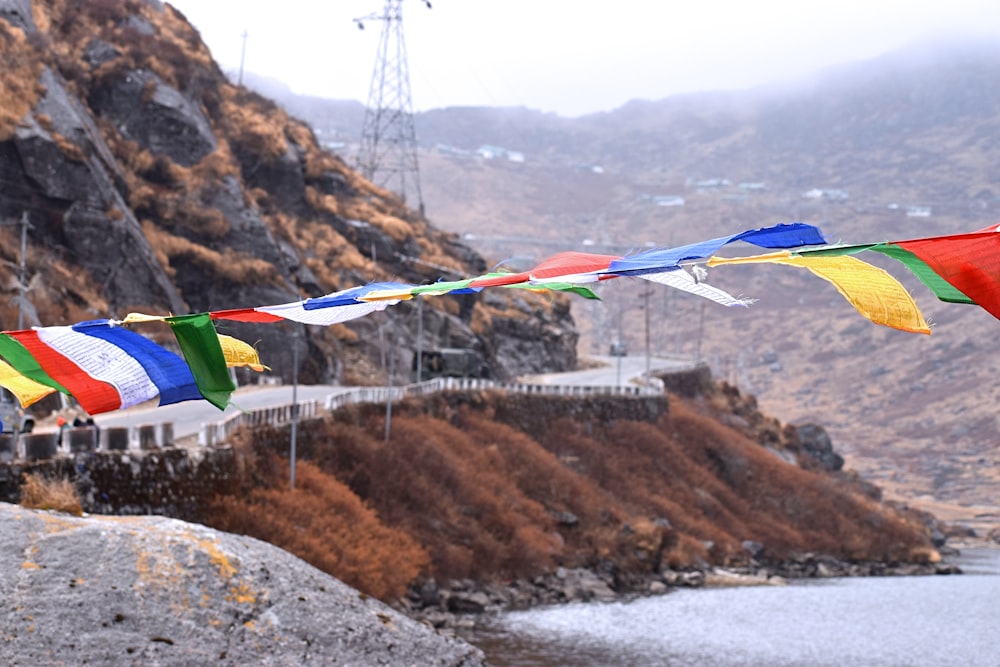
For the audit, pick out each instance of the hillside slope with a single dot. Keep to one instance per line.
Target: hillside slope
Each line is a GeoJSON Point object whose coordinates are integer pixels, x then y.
{"type": "Point", "coordinates": [149, 182]}
{"type": "Point", "coordinates": [497, 487]}
{"type": "Point", "coordinates": [904, 145]}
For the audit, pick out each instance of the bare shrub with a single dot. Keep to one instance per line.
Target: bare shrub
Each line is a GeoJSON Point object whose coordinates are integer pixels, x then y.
{"type": "Point", "coordinates": [326, 525]}
{"type": "Point", "coordinates": [41, 493]}
{"type": "Point", "coordinates": [227, 265]}
{"type": "Point", "coordinates": [491, 493]}
{"type": "Point", "coordinates": [256, 126]}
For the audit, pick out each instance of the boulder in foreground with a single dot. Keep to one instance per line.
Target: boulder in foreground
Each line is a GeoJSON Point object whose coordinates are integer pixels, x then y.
{"type": "Point", "coordinates": [153, 590]}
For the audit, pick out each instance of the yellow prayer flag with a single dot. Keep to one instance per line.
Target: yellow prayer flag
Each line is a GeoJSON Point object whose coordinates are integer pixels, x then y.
{"type": "Point", "coordinates": [135, 318]}
{"type": "Point", "coordinates": [402, 294]}
{"type": "Point", "coordinates": [872, 291]}
{"type": "Point", "coordinates": [238, 353]}
{"type": "Point", "coordinates": [26, 390]}
{"type": "Point", "coordinates": [767, 258]}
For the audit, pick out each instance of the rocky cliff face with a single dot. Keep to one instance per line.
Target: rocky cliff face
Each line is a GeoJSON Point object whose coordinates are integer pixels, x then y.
{"type": "Point", "coordinates": [153, 590]}
{"type": "Point", "coordinates": [150, 182]}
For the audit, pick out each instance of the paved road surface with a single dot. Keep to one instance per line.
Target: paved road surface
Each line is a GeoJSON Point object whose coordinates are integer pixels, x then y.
{"type": "Point", "coordinates": [190, 415]}
{"type": "Point", "coordinates": [613, 371]}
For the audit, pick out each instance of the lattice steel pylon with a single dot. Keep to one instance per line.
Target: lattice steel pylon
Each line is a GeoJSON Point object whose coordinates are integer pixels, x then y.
{"type": "Point", "coordinates": [388, 151]}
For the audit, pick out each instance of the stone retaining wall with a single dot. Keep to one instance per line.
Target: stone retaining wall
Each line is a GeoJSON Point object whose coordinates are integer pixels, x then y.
{"type": "Point", "coordinates": [172, 482]}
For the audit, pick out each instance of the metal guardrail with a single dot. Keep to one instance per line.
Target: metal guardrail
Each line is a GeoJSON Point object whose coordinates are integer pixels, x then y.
{"type": "Point", "coordinates": [214, 433]}
{"type": "Point", "coordinates": [152, 436]}
{"type": "Point", "coordinates": [217, 432]}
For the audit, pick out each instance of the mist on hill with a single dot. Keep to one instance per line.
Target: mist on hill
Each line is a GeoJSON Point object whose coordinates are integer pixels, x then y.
{"type": "Point", "coordinates": [898, 147]}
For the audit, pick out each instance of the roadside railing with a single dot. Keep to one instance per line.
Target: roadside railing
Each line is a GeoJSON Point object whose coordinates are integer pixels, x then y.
{"type": "Point", "coordinates": [153, 436]}
{"type": "Point", "coordinates": [213, 433]}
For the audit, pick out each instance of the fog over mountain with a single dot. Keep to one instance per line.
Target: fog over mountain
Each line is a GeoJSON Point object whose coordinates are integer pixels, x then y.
{"type": "Point", "coordinates": [899, 147]}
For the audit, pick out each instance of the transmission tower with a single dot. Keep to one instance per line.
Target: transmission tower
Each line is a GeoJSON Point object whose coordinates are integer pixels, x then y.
{"type": "Point", "coordinates": [388, 152]}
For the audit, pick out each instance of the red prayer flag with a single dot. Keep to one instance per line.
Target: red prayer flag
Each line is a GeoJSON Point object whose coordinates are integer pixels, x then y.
{"type": "Point", "coordinates": [969, 262]}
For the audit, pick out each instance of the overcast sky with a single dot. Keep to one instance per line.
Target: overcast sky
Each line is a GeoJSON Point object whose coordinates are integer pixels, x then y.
{"type": "Point", "coordinates": [570, 57]}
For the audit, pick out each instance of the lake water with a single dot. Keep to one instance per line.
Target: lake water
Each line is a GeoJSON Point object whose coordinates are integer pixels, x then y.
{"type": "Point", "coordinates": [873, 621]}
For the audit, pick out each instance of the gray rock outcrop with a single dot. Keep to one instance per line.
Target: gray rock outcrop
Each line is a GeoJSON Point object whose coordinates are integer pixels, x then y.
{"type": "Point", "coordinates": [816, 444]}
{"type": "Point", "coordinates": [83, 188]}
{"type": "Point", "coordinates": [152, 590]}
{"type": "Point", "coordinates": [156, 116]}
{"type": "Point", "coordinates": [18, 14]}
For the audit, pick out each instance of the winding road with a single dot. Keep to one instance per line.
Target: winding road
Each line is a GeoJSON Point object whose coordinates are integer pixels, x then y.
{"type": "Point", "coordinates": [189, 416]}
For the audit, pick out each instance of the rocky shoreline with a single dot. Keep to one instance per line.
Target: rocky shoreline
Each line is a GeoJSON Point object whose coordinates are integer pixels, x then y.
{"type": "Point", "coordinates": [460, 604]}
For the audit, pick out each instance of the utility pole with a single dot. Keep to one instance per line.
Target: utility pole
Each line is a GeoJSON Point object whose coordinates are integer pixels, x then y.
{"type": "Point", "coordinates": [243, 54]}
{"type": "Point", "coordinates": [645, 306]}
{"type": "Point", "coordinates": [701, 329]}
{"type": "Point", "coordinates": [420, 340]}
{"type": "Point", "coordinates": [388, 152]}
{"type": "Point", "coordinates": [20, 276]}
{"type": "Point", "coordinates": [392, 372]}
{"type": "Point", "coordinates": [295, 411]}
{"type": "Point", "coordinates": [621, 341]}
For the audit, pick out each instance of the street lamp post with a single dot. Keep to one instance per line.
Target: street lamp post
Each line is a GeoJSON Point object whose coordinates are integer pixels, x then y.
{"type": "Point", "coordinates": [295, 411]}
{"type": "Point", "coordinates": [420, 339]}
{"type": "Point", "coordinates": [392, 371]}
{"type": "Point", "coordinates": [20, 276]}
{"type": "Point", "coordinates": [645, 306]}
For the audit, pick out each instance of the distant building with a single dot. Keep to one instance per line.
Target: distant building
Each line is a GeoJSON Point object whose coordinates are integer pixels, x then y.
{"type": "Point", "coordinates": [918, 211]}
{"type": "Point", "coordinates": [668, 200]}
{"type": "Point", "coordinates": [446, 149]}
{"type": "Point", "coordinates": [712, 183]}
{"type": "Point", "coordinates": [752, 187]}
{"type": "Point", "coordinates": [488, 152]}
{"type": "Point", "coordinates": [826, 194]}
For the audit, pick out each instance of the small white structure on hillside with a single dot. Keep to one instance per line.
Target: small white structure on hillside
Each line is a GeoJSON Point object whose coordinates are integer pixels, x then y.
{"type": "Point", "coordinates": [668, 200]}
{"type": "Point", "coordinates": [489, 152]}
{"type": "Point", "coordinates": [826, 194]}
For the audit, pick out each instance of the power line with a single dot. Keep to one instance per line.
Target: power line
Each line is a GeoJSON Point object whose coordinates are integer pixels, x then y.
{"type": "Point", "coordinates": [388, 151]}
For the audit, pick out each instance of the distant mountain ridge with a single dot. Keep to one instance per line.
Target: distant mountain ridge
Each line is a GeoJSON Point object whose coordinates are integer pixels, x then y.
{"type": "Point", "coordinates": [908, 145]}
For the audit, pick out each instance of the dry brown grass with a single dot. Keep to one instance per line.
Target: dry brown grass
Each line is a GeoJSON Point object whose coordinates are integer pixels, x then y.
{"type": "Point", "coordinates": [254, 128]}
{"type": "Point", "coordinates": [433, 252]}
{"type": "Point", "coordinates": [481, 489]}
{"type": "Point", "coordinates": [41, 493]}
{"type": "Point", "coordinates": [322, 202]}
{"type": "Point", "coordinates": [227, 264]}
{"type": "Point", "coordinates": [320, 162]}
{"type": "Point", "coordinates": [326, 525]}
{"type": "Point", "coordinates": [20, 69]}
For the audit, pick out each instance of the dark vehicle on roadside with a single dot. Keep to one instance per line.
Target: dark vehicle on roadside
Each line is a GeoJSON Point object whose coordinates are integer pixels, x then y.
{"type": "Point", "coordinates": [618, 349]}
{"type": "Point", "coordinates": [14, 418]}
{"type": "Point", "coordinates": [448, 362]}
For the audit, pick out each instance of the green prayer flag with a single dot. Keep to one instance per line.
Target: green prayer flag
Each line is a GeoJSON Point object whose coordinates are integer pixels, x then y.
{"type": "Point", "coordinates": [24, 363]}
{"type": "Point", "coordinates": [941, 288]}
{"type": "Point", "coordinates": [442, 286]}
{"type": "Point", "coordinates": [579, 290]}
{"type": "Point", "coordinates": [199, 342]}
